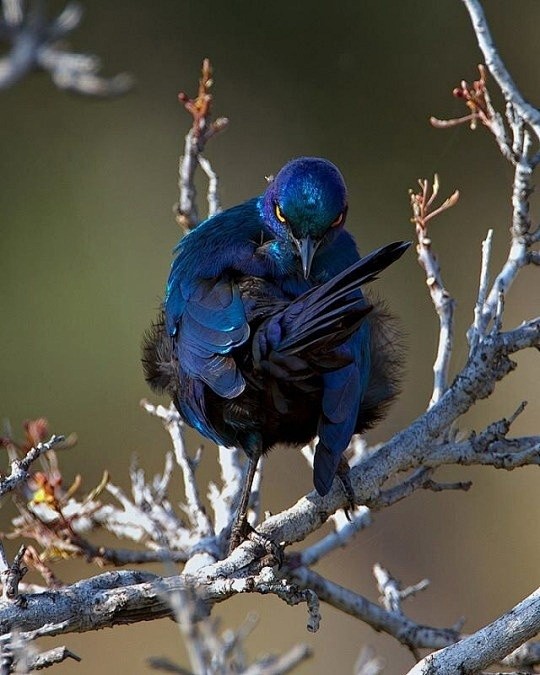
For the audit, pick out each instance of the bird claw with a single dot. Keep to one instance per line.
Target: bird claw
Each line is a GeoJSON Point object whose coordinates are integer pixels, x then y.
{"type": "Point", "coordinates": [239, 533]}
{"type": "Point", "coordinates": [343, 475]}
{"type": "Point", "coordinates": [271, 553]}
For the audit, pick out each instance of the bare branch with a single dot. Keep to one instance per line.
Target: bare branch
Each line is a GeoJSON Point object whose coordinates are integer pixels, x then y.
{"type": "Point", "coordinates": [478, 101]}
{"type": "Point", "coordinates": [488, 645]}
{"type": "Point", "coordinates": [477, 329]}
{"type": "Point", "coordinates": [124, 597]}
{"type": "Point", "coordinates": [391, 591]}
{"type": "Point", "coordinates": [194, 506]}
{"type": "Point", "coordinates": [35, 45]}
{"type": "Point", "coordinates": [18, 656]}
{"type": "Point", "coordinates": [50, 658]}
{"type": "Point", "coordinates": [224, 502]}
{"type": "Point", "coordinates": [361, 518]}
{"type": "Point", "coordinates": [527, 655]}
{"type": "Point", "coordinates": [203, 129]}
{"type": "Point", "coordinates": [408, 462]}
{"type": "Point", "coordinates": [212, 196]}
{"type": "Point", "coordinates": [279, 665]}
{"type": "Point", "coordinates": [497, 68]}
{"type": "Point", "coordinates": [368, 663]}
{"type": "Point", "coordinates": [166, 666]}
{"type": "Point", "coordinates": [12, 576]}
{"type": "Point", "coordinates": [399, 626]}
{"type": "Point", "coordinates": [19, 467]}
{"type": "Point", "coordinates": [421, 204]}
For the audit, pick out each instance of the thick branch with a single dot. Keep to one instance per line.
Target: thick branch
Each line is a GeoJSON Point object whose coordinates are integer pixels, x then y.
{"type": "Point", "coordinates": [488, 645]}
{"type": "Point", "coordinates": [125, 597]}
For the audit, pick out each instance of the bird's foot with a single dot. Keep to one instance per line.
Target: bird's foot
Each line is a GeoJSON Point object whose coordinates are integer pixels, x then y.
{"type": "Point", "coordinates": [239, 533]}
{"type": "Point", "coordinates": [269, 552]}
{"type": "Point", "coordinates": [343, 475]}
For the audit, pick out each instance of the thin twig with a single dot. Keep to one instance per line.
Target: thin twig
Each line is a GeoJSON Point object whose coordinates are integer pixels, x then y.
{"type": "Point", "coordinates": [203, 129]}
{"type": "Point", "coordinates": [477, 330]}
{"type": "Point", "coordinates": [11, 578]}
{"type": "Point", "coordinates": [497, 68]}
{"type": "Point", "coordinates": [421, 203]}
{"type": "Point", "coordinates": [19, 467]}
{"type": "Point", "coordinates": [194, 506]}
{"type": "Point", "coordinates": [36, 43]}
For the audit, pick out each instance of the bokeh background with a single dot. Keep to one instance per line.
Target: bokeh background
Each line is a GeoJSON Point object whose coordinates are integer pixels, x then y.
{"type": "Point", "coordinates": [86, 190]}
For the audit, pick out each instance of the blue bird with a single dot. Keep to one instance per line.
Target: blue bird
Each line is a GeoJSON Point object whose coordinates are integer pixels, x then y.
{"type": "Point", "coordinates": [266, 337]}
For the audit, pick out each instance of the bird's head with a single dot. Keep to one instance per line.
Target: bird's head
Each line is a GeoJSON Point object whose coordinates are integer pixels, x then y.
{"type": "Point", "coordinates": [306, 204]}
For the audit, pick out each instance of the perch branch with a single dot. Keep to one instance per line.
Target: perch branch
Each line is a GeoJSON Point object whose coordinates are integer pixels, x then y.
{"type": "Point", "coordinates": [125, 597]}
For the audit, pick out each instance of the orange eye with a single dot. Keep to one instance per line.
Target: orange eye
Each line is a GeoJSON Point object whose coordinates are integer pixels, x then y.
{"type": "Point", "coordinates": [279, 215]}
{"type": "Point", "coordinates": [338, 220]}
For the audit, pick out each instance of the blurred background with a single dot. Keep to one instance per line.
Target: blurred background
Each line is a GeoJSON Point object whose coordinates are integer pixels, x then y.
{"type": "Point", "coordinates": [86, 191]}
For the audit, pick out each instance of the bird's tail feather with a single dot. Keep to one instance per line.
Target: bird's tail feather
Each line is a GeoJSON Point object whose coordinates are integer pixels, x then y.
{"type": "Point", "coordinates": [317, 314]}
{"type": "Point", "coordinates": [325, 464]}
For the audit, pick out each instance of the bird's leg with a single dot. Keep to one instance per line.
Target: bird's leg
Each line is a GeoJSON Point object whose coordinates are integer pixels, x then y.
{"type": "Point", "coordinates": [241, 527]}
{"type": "Point", "coordinates": [241, 530]}
{"type": "Point", "coordinates": [343, 475]}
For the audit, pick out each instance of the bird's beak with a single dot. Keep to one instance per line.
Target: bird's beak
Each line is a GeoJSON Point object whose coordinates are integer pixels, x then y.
{"type": "Point", "coordinates": [306, 248]}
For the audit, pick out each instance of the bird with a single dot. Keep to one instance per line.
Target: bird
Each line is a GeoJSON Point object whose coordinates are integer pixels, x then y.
{"type": "Point", "coordinates": [265, 336]}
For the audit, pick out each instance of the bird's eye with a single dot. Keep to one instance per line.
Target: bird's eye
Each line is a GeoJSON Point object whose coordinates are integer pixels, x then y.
{"type": "Point", "coordinates": [338, 220]}
{"type": "Point", "coordinates": [279, 215]}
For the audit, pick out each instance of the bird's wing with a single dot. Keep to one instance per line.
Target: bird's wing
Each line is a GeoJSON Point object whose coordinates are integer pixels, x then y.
{"type": "Point", "coordinates": [344, 389]}
{"type": "Point", "coordinates": [207, 319]}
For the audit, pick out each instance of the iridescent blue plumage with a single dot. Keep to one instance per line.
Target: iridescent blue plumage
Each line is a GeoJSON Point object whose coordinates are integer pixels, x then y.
{"type": "Point", "coordinates": [267, 337]}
